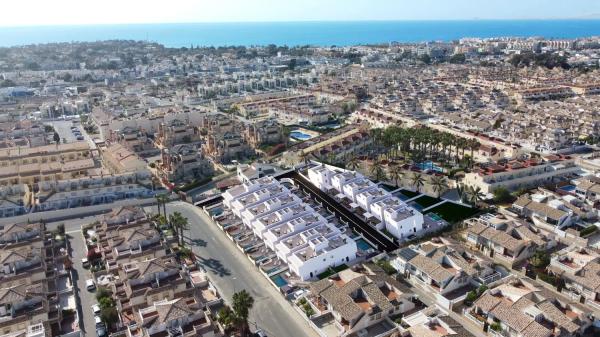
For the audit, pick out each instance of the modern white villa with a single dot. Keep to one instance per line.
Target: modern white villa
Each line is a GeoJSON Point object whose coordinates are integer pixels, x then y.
{"type": "Point", "coordinates": [299, 235]}
{"type": "Point", "coordinates": [398, 218]}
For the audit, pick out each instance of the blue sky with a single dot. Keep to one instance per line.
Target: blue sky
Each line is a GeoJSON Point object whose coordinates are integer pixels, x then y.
{"type": "Point", "coordinates": [55, 12]}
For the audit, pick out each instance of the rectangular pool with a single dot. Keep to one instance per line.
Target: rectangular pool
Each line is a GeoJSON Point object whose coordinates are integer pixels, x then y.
{"type": "Point", "coordinates": [363, 245]}
{"type": "Point", "coordinates": [279, 280]}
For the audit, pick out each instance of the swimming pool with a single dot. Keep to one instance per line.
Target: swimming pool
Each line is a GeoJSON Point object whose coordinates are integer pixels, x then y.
{"type": "Point", "coordinates": [279, 280]}
{"type": "Point", "coordinates": [434, 216]}
{"type": "Point", "coordinates": [363, 245]}
{"type": "Point", "coordinates": [216, 211]}
{"type": "Point", "coordinates": [415, 206]}
{"type": "Point", "coordinates": [429, 165]}
{"type": "Point", "coordinates": [297, 134]}
{"type": "Point", "coordinates": [568, 188]}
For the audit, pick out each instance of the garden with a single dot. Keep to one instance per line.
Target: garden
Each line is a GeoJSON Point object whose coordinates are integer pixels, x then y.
{"type": "Point", "coordinates": [454, 213]}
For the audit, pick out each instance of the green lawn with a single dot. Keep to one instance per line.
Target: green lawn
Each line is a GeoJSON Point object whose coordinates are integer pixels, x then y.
{"type": "Point", "coordinates": [332, 271]}
{"type": "Point", "coordinates": [409, 194]}
{"type": "Point", "coordinates": [453, 213]}
{"type": "Point", "coordinates": [426, 201]}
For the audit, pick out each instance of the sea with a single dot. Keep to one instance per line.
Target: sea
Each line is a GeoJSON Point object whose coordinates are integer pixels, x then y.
{"type": "Point", "coordinates": [336, 33]}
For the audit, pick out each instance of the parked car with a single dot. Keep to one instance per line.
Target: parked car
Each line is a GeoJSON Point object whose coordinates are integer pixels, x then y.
{"type": "Point", "coordinates": [79, 137]}
{"type": "Point", "coordinates": [90, 285]}
{"type": "Point", "coordinates": [96, 309]}
{"type": "Point", "coordinates": [100, 330]}
{"type": "Point", "coordinates": [85, 262]}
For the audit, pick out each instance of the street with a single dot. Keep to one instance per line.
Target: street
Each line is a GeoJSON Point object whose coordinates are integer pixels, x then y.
{"type": "Point", "coordinates": [231, 271]}
{"type": "Point", "coordinates": [80, 274]}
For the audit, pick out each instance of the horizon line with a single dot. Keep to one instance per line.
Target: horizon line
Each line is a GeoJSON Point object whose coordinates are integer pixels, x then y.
{"type": "Point", "coordinates": [301, 21]}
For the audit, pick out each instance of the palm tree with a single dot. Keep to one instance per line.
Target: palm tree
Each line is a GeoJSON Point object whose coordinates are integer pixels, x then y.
{"type": "Point", "coordinates": [158, 201]}
{"type": "Point", "coordinates": [439, 184]}
{"type": "Point", "coordinates": [165, 200]}
{"type": "Point", "coordinates": [418, 181]}
{"type": "Point", "coordinates": [462, 192]}
{"type": "Point", "coordinates": [180, 224]}
{"type": "Point", "coordinates": [353, 163]}
{"type": "Point", "coordinates": [396, 174]}
{"type": "Point", "coordinates": [473, 145]}
{"type": "Point", "coordinates": [475, 194]}
{"type": "Point", "coordinates": [242, 303]}
{"type": "Point", "coordinates": [377, 170]}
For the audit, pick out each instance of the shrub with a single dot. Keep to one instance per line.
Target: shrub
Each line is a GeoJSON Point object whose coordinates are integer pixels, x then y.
{"type": "Point", "coordinates": [588, 231]}
{"type": "Point", "coordinates": [495, 326]}
{"type": "Point", "coordinates": [277, 149]}
{"type": "Point", "coordinates": [386, 266]}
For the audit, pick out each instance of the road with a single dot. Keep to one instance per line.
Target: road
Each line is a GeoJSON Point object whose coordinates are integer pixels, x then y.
{"type": "Point", "coordinates": [80, 274]}
{"type": "Point", "coordinates": [231, 271]}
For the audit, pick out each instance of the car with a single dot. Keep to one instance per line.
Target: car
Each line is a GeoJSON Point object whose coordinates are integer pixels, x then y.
{"type": "Point", "coordinates": [79, 137]}
{"type": "Point", "coordinates": [90, 285]}
{"type": "Point", "coordinates": [85, 262]}
{"type": "Point", "coordinates": [98, 321]}
{"type": "Point", "coordinates": [96, 309]}
{"type": "Point", "coordinates": [73, 128]}
{"type": "Point", "coordinates": [101, 331]}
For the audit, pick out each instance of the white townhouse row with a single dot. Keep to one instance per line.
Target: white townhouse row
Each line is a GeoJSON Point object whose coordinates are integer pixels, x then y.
{"type": "Point", "coordinates": [394, 215]}
{"type": "Point", "coordinates": [299, 235]}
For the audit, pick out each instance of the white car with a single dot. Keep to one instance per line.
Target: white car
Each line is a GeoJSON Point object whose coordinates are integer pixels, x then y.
{"type": "Point", "coordinates": [90, 285]}
{"type": "Point", "coordinates": [85, 262]}
{"type": "Point", "coordinates": [96, 309]}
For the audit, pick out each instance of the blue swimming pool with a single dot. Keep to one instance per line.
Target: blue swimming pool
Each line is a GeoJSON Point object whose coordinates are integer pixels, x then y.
{"type": "Point", "coordinates": [297, 134]}
{"type": "Point", "coordinates": [216, 211]}
{"type": "Point", "coordinates": [568, 188]}
{"type": "Point", "coordinates": [429, 165]}
{"type": "Point", "coordinates": [279, 280]}
{"type": "Point", "coordinates": [415, 206]}
{"type": "Point", "coordinates": [434, 216]}
{"type": "Point", "coordinates": [363, 245]}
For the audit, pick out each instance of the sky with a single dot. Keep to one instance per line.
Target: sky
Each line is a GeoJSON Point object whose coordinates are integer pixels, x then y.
{"type": "Point", "coordinates": [75, 12]}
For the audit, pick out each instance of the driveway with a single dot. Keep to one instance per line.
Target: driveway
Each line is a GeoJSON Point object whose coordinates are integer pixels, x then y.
{"type": "Point", "coordinates": [231, 271]}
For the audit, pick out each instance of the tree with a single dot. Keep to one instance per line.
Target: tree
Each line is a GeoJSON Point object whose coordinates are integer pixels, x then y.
{"type": "Point", "coordinates": [475, 195]}
{"type": "Point", "coordinates": [180, 224]}
{"type": "Point", "coordinates": [396, 174]}
{"type": "Point", "coordinates": [502, 195]}
{"type": "Point", "coordinates": [377, 171]}
{"type": "Point", "coordinates": [242, 303]}
{"type": "Point", "coordinates": [56, 138]}
{"type": "Point", "coordinates": [417, 181]}
{"type": "Point", "coordinates": [439, 184]}
{"type": "Point", "coordinates": [109, 315]}
{"type": "Point", "coordinates": [226, 318]}
{"type": "Point", "coordinates": [461, 190]}
{"type": "Point", "coordinates": [353, 163]}
{"type": "Point", "coordinates": [458, 58]}
{"type": "Point", "coordinates": [425, 58]}
{"type": "Point", "coordinates": [540, 259]}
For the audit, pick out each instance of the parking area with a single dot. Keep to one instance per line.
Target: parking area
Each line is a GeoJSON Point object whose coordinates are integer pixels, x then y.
{"type": "Point", "coordinates": [63, 128]}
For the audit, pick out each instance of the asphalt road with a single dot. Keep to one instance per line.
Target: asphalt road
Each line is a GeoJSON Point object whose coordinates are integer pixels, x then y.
{"type": "Point", "coordinates": [86, 298]}
{"type": "Point", "coordinates": [231, 271]}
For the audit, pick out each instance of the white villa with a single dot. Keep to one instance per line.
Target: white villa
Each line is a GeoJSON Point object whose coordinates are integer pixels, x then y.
{"type": "Point", "coordinates": [395, 215]}
{"type": "Point", "coordinates": [299, 235]}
